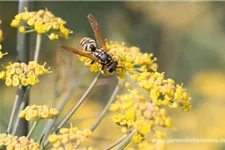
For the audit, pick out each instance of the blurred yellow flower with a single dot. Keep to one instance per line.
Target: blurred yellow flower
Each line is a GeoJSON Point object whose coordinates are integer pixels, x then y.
{"type": "Point", "coordinates": [42, 21]}
{"type": "Point", "coordinates": [68, 138]}
{"type": "Point", "coordinates": [20, 143]}
{"type": "Point", "coordinates": [38, 112]}
{"type": "Point", "coordinates": [203, 81]}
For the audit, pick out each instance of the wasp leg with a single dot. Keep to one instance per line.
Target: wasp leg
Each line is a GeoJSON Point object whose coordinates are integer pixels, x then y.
{"type": "Point", "coordinates": [102, 67]}
{"type": "Point", "coordinates": [92, 62]}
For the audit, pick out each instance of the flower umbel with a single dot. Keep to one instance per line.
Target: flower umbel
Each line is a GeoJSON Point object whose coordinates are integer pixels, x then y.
{"type": "Point", "coordinates": [22, 74]}
{"type": "Point", "coordinates": [68, 138]}
{"type": "Point", "coordinates": [15, 142]}
{"type": "Point", "coordinates": [38, 112]}
{"type": "Point", "coordinates": [133, 111]}
{"type": "Point", "coordinates": [42, 21]}
{"type": "Point", "coordinates": [142, 108]}
{"type": "Point", "coordinates": [130, 59]}
{"type": "Point", "coordinates": [163, 91]}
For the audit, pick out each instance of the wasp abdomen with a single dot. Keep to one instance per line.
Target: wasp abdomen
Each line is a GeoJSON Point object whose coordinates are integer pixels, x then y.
{"type": "Point", "coordinates": [88, 44]}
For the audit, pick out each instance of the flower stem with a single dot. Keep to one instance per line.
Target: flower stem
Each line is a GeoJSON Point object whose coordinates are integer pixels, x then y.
{"type": "Point", "coordinates": [65, 99]}
{"type": "Point", "coordinates": [37, 48]}
{"type": "Point", "coordinates": [116, 143]}
{"type": "Point", "coordinates": [23, 104]}
{"type": "Point", "coordinates": [32, 128]}
{"type": "Point", "coordinates": [29, 31]}
{"type": "Point", "coordinates": [79, 102]}
{"type": "Point", "coordinates": [126, 140]}
{"type": "Point", "coordinates": [15, 105]}
{"type": "Point", "coordinates": [93, 127]}
{"type": "Point", "coordinates": [71, 90]}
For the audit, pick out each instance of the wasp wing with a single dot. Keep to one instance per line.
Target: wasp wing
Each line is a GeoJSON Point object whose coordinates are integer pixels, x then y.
{"type": "Point", "coordinates": [98, 34]}
{"type": "Point", "coordinates": [79, 52]}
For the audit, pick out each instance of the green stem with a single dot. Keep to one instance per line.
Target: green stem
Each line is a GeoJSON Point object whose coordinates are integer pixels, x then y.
{"type": "Point", "coordinates": [116, 143]}
{"type": "Point", "coordinates": [76, 82]}
{"type": "Point", "coordinates": [60, 107]}
{"type": "Point", "coordinates": [15, 105]}
{"type": "Point", "coordinates": [79, 102]}
{"type": "Point", "coordinates": [106, 108]}
{"type": "Point", "coordinates": [29, 31]}
{"type": "Point", "coordinates": [23, 104]}
{"type": "Point", "coordinates": [37, 48]}
{"type": "Point", "coordinates": [126, 140]}
{"type": "Point", "coordinates": [32, 128]}
{"type": "Point", "coordinates": [69, 115]}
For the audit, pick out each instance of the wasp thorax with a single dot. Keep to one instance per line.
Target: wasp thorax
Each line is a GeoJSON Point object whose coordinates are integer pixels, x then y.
{"type": "Point", "coordinates": [106, 58]}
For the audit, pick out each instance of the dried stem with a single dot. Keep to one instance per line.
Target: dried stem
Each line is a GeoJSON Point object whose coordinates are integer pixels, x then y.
{"type": "Point", "coordinates": [15, 105]}
{"type": "Point", "coordinates": [116, 143]}
{"type": "Point", "coordinates": [106, 108]}
{"type": "Point", "coordinates": [126, 140]}
{"type": "Point", "coordinates": [32, 128]}
{"type": "Point", "coordinates": [37, 48]}
{"type": "Point", "coordinates": [79, 102]}
{"type": "Point", "coordinates": [23, 104]}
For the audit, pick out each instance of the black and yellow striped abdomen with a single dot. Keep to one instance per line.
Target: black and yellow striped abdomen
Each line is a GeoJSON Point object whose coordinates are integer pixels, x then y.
{"type": "Point", "coordinates": [88, 44]}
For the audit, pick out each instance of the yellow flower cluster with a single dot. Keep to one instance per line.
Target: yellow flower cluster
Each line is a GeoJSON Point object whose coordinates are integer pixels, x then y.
{"type": "Point", "coordinates": [141, 109]}
{"type": "Point", "coordinates": [163, 91]}
{"type": "Point", "coordinates": [42, 21]}
{"type": "Point", "coordinates": [134, 111]}
{"type": "Point", "coordinates": [68, 138]}
{"type": "Point", "coordinates": [1, 38]}
{"type": "Point", "coordinates": [17, 143]}
{"type": "Point", "coordinates": [38, 112]}
{"type": "Point", "coordinates": [22, 74]}
{"type": "Point", "coordinates": [130, 59]}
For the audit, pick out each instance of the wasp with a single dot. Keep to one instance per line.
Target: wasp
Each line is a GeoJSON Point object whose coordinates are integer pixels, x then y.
{"type": "Point", "coordinates": [99, 54]}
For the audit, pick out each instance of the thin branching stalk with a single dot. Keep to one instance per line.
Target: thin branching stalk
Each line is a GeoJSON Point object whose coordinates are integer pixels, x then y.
{"type": "Point", "coordinates": [126, 140]}
{"type": "Point", "coordinates": [37, 48]}
{"type": "Point", "coordinates": [29, 31]}
{"type": "Point", "coordinates": [65, 99]}
{"type": "Point", "coordinates": [76, 82]}
{"type": "Point", "coordinates": [16, 101]}
{"type": "Point", "coordinates": [116, 143]}
{"type": "Point", "coordinates": [23, 55]}
{"type": "Point", "coordinates": [94, 126]}
{"type": "Point", "coordinates": [23, 104]}
{"type": "Point", "coordinates": [33, 128]}
{"type": "Point", "coordinates": [79, 102]}
{"type": "Point", "coordinates": [69, 115]}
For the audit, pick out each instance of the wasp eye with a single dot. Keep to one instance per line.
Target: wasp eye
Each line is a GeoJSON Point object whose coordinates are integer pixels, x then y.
{"type": "Point", "coordinates": [111, 70]}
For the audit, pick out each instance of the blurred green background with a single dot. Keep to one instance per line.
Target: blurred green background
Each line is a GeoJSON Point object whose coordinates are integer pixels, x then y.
{"type": "Point", "coordinates": [186, 37]}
